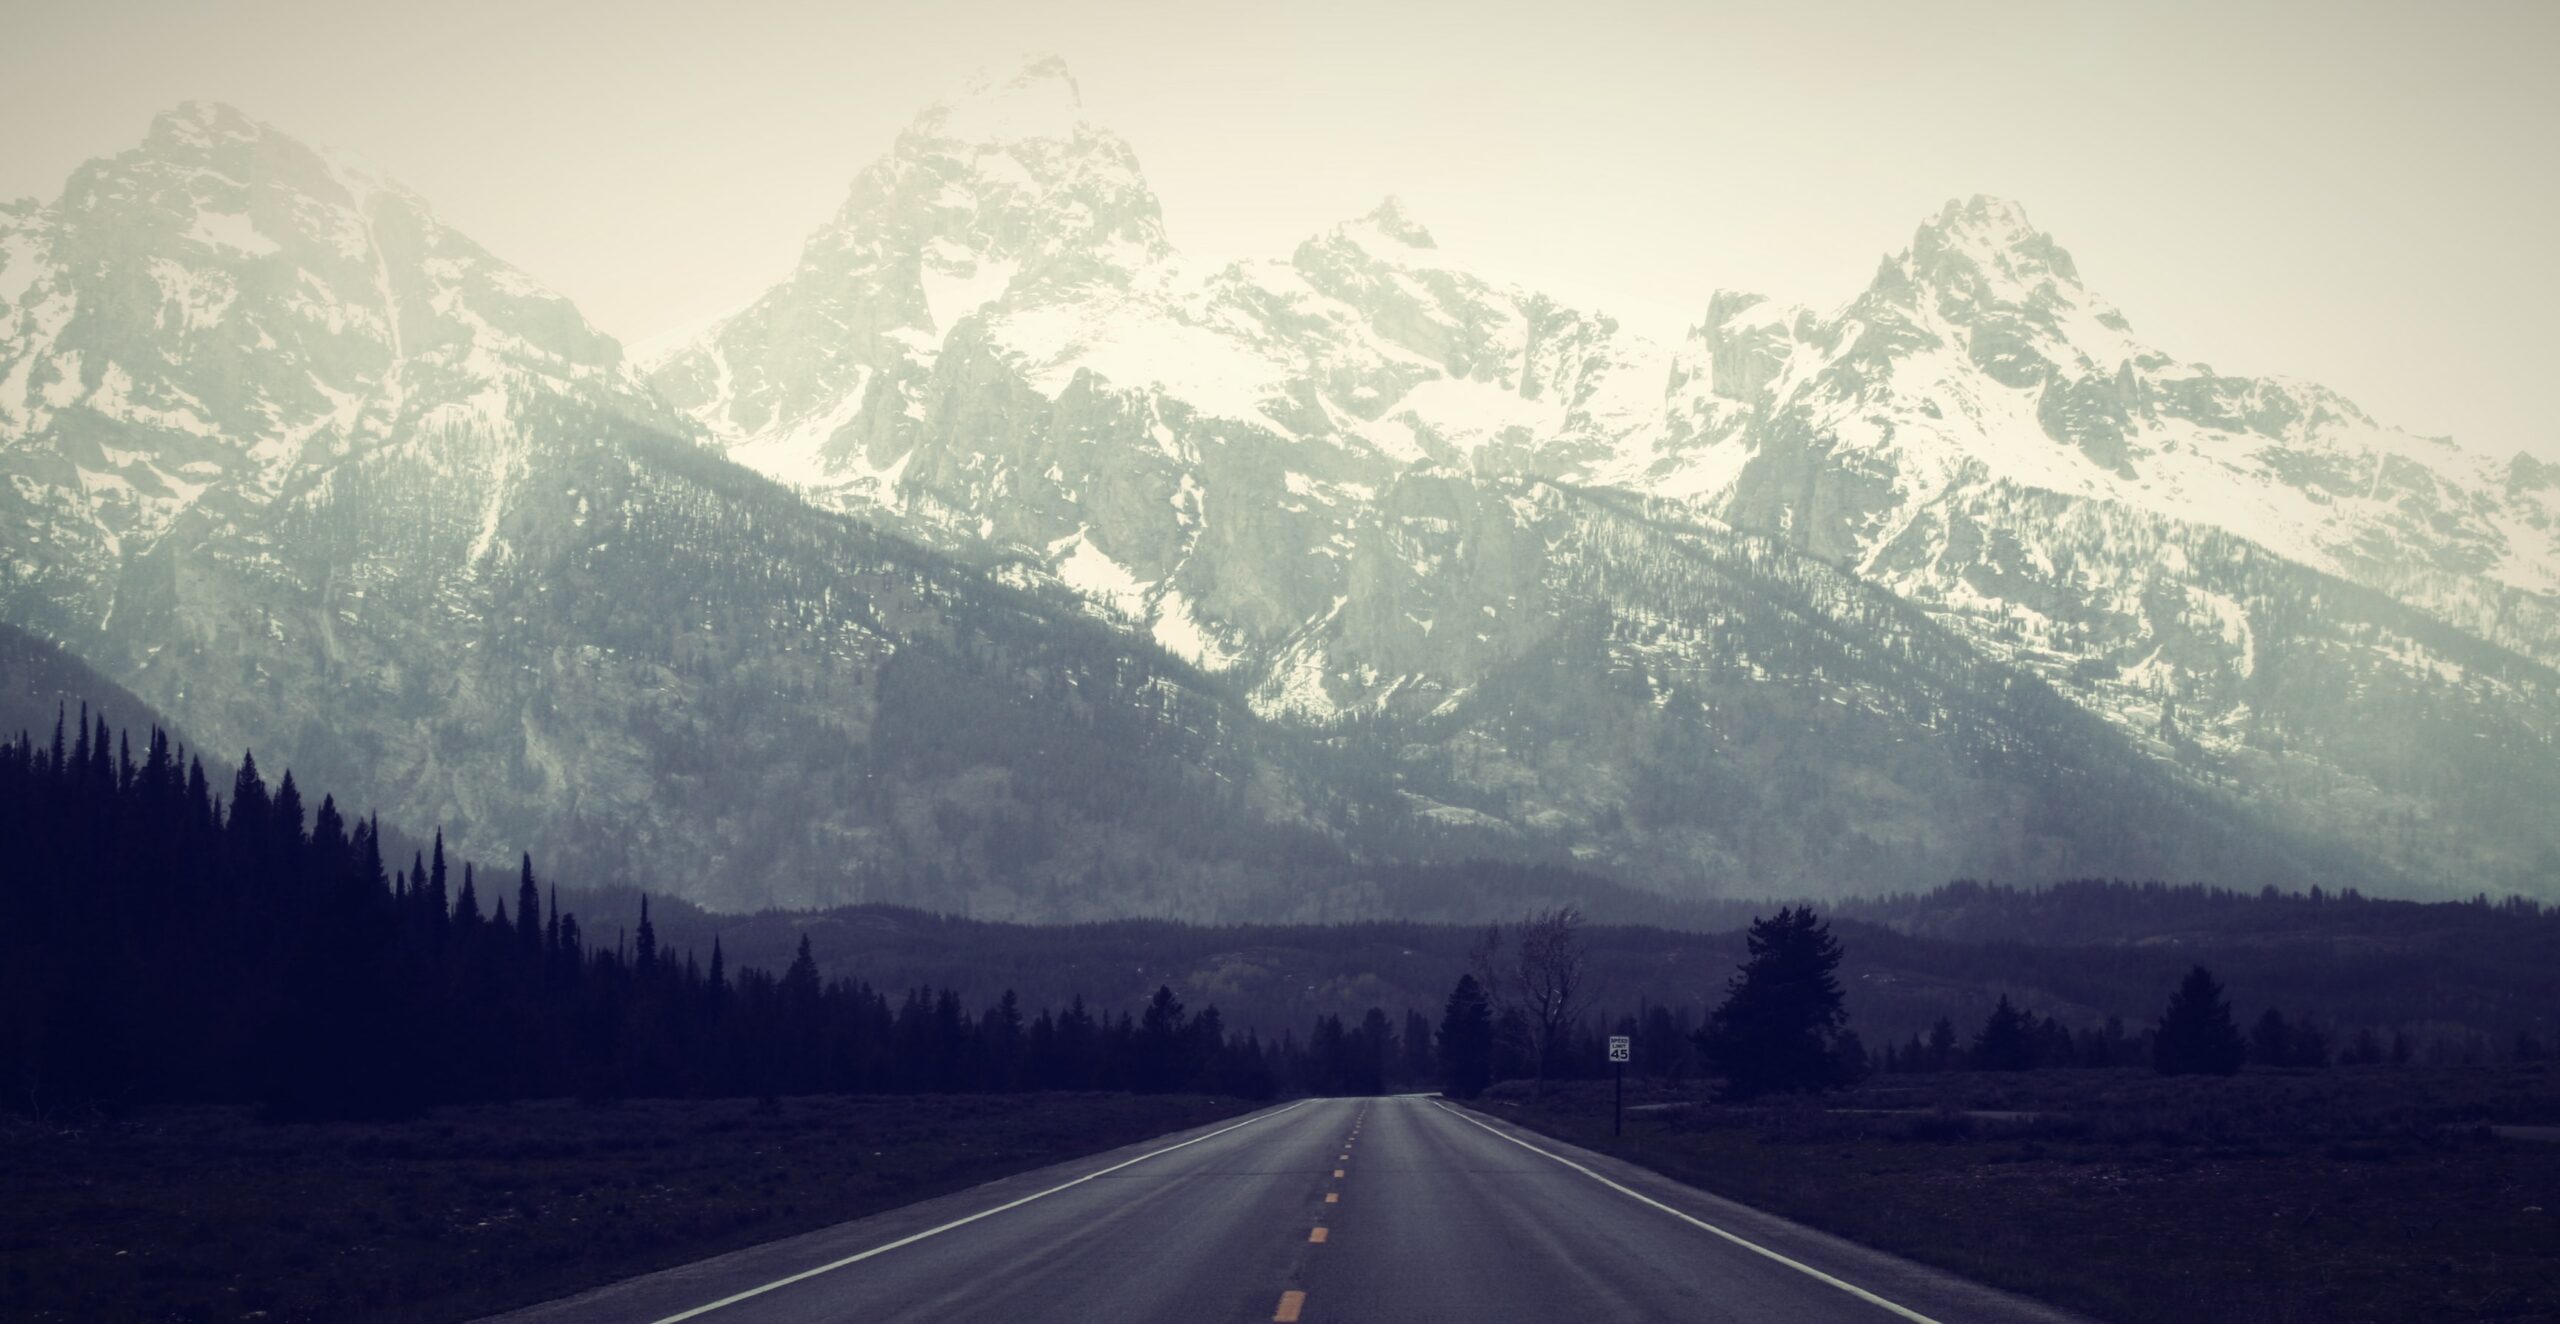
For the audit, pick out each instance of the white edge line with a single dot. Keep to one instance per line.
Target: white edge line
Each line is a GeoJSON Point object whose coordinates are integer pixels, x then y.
{"type": "Point", "coordinates": [913, 1238]}
{"type": "Point", "coordinates": [1799, 1266]}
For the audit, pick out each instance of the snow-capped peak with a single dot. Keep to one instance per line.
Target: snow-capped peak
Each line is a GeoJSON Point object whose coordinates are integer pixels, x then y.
{"type": "Point", "coordinates": [1985, 241]}
{"type": "Point", "coordinates": [1036, 99]}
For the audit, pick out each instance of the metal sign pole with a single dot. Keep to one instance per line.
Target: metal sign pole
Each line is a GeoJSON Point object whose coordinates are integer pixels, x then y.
{"type": "Point", "coordinates": [1620, 1047]}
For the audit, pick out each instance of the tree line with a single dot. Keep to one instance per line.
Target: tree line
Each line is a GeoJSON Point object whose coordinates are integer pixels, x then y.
{"type": "Point", "coordinates": [164, 943]}
{"type": "Point", "coordinates": [1783, 1025]}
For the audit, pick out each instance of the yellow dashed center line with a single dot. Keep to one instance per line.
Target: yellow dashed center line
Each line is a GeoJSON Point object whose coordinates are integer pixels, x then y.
{"type": "Point", "coordinates": [1290, 1304]}
{"type": "Point", "coordinates": [1333, 1197]}
{"type": "Point", "coordinates": [1316, 1235]}
{"type": "Point", "coordinates": [1337, 1172]}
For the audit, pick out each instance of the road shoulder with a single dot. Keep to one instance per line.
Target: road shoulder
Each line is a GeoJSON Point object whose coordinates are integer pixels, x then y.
{"type": "Point", "coordinates": [1928, 1292]}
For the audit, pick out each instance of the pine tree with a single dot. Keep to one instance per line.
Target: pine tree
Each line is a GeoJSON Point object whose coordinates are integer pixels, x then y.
{"type": "Point", "coordinates": [645, 956]}
{"type": "Point", "coordinates": [1466, 1040]}
{"type": "Point", "coordinates": [328, 839]}
{"type": "Point", "coordinates": [529, 916]}
{"type": "Point", "coordinates": [248, 798]}
{"type": "Point", "coordinates": [1777, 1031]}
{"type": "Point", "coordinates": [1157, 1067]}
{"type": "Point", "coordinates": [2005, 1043]}
{"type": "Point", "coordinates": [438, 906]}
{"type": "Point", "coordinates": [1003, 1036]}
{"type": "Point", "coordinates": [285, 814]}
{"type": "Point", "coordinates": [2197, 1035]}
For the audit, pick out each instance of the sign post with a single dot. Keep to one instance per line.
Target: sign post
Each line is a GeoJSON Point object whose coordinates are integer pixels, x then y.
{"type": "Point", "coordinates": [1618, 1054]}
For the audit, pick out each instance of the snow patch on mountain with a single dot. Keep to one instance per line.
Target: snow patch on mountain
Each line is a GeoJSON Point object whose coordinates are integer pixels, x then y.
{"type": "Point", "coordinates": [1092, 572]}
{"type": "Point", "coordinates": [233, 231]}
{"type": "Point", "coordinates": [957, 283]}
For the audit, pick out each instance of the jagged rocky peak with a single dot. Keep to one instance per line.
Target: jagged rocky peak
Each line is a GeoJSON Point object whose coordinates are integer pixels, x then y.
{"type": "Point", "coordinates": [1006, 176]}
{"type": "Point", "coordinates": [220, 191]}
{"type": "Point", "coordinates": [1980, 274]}
{"type": "Point", "coordinates": [1007, 170]}
{"type": "Point", "coordinates": [1391, 220]}
{"type": "Point", "coordinates": [1003, 225]}
{"type": "Point", "coordinates": [224, 181]}
{"type": "Point", "coordinates": [1010, 163]}
{"type": "Point", "coordinates": [1034, 99]}
{"type": "Point", "coordinates": [224, 159]}
{"type": "Point", "coordinates": [1990, 236]}
{"type": "Point", "coordinates": [219, 312]}
{"type": "Point", "coordinates": [1387, 266]}
{"type": "Point", "coordinates": [195, 125]}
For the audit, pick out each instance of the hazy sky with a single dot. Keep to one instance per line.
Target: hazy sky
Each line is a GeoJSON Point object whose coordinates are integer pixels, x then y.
{"type": "Point", "coordinates": [2361, 195]}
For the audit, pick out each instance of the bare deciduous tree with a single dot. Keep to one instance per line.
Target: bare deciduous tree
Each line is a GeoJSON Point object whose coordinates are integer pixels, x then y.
{"type": "Point", "coordinates": [1541, 970]}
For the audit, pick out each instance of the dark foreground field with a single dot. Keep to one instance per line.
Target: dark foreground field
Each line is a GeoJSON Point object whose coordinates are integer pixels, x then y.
{"type": "Point", "coordinates": [2349, 1195]}
{"type": "Point", "coordinates": [204, 1214]}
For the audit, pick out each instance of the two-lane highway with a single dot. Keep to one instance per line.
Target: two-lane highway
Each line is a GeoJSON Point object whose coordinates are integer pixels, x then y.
{"type": "Point", "coordinates": [1327, 1210]}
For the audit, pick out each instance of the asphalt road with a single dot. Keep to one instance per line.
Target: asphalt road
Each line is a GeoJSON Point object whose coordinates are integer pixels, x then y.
{"type": "Point", "coordinates": [1402, 1209]}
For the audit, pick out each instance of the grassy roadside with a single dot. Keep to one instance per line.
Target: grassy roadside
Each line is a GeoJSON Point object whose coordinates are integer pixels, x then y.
{"type": "Point", "coordinates": [2348, 1195]}
{"type": "Point", "coordinates": [201, 1215]}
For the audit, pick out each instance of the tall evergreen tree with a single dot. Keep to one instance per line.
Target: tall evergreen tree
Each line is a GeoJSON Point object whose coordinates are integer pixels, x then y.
{"type": "Point", "coordinates": [1777, 1031]}
{"type": "Point", "coordinates": [1158, 1063]}
{"type": "Point", "coordinates": [1466, 1040]}
{"type": "Point", "coordinates": [645, 955]}
{"type": "Point", "coordinates": [438, 905]}
{"type": "Point", "coordinates": [2004, 1044]}
{"type": "Point", "coordinates": [248, 819]}
{"type": "Point", "coordinates": [2197, 1035]}
{"type": "Point", "coordinates": [529, 915]}
{"type": "Point", "coordinates": [285, 814]}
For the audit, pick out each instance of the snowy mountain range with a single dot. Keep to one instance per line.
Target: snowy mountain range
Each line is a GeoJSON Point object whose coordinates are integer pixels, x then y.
{"type": "Point", "coordinates": [1401, 561]}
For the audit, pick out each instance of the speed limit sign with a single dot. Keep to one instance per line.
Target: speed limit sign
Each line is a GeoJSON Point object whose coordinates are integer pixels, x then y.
{"type": "Point", "coordinates": [1619, 1048]}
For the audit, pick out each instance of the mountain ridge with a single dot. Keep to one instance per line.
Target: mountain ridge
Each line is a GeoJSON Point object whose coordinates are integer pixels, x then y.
{"type": "Point", "coordinates": [1348, 554]}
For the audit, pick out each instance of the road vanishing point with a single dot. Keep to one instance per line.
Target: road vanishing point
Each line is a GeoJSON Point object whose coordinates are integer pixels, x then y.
{"type": "Point", "coordinates": [1394, 1209]}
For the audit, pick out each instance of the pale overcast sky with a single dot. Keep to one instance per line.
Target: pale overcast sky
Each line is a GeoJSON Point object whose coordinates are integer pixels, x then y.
{"type": "Point", "coordinates": [2360, 195]}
